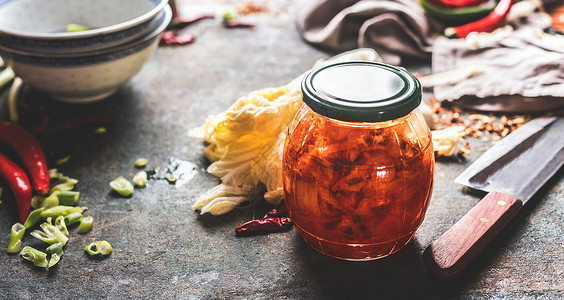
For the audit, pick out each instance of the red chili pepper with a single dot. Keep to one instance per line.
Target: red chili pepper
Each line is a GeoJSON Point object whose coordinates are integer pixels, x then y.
{"type": "Point", "coordinates": [457, 3]}
{"type": "Point", "coordinates": [19, 183]}
{"type": "Point", "coordinates": [264, 226]}
{"type": "Point", "coordinates": [237, 24]}
{"type": "Point", "coordinates": [170, 38]}
{"type": "Point", "coordinates": [31, 153]}
{"type": "Point", "coordinates": [487, 24]}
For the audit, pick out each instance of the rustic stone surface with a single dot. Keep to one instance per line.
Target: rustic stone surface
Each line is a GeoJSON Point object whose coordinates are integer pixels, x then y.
{"type": "Point", "coordinates": [164, 250]}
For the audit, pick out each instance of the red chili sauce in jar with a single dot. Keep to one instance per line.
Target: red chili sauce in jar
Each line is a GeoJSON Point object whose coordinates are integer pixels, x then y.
{"type": "Point", "coordinates": [358, 163]}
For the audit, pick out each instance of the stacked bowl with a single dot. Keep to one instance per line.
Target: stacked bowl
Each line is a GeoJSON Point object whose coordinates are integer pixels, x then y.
{"type": "Point", "coordinates": [116, 39]}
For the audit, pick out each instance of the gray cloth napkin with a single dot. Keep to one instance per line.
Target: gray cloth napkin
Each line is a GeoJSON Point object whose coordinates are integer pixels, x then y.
{"type": "Point", "coordinates": [522, 73]}
{"type": "Point", "coordinates": [394, 28]}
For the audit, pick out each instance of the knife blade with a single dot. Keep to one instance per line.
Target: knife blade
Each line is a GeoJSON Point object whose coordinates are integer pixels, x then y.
{"type": "Point", "coordinates": [512, 171]}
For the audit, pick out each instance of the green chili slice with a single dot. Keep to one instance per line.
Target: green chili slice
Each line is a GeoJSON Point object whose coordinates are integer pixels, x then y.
{"type": "Point", "coordinates": [67, 185]}
{"type": "Point", "coordinates": [16, 236]}
{"type": "Point", "coordinates": [36, 201]}
{"type": "Point", "coordinates": [100, 130]}
{"type": "Point", "coordinates": [85, 224]}
{"type": "Point", "coordinates": [72, 218]}
{"type": "Point", "coordinates": [54, 174]}
{"type": "Point", "coordinates": [61, 225]}
{"type": "Point", "coordinates": [76, 27]}
{"type": "Point", "coordinates": [122, 186]}
{"type": "Point", "coordinates": [140, 179]}
{"type": "Point", "coordinates": [171, 179]}
{"type": "Point", "coordinates": [63, 160]}
{"type": "Point", "coordinates": [68, 197]}
{"type": "Point", "coordinates": [56, 251]}
{"type": "Point", "coordinates": [51, 201]}
{"type": "Point", "coordinates": [141, 162]}
{"type": "Point", "coordinates": [98, 248]}
{"type": "Point", "coordinates": [38, 258]}
{"type": "Point", "coordinates": [50, 234]}
{"type": "Point", "coordinates": [33, 217]}
{"type": "Point", "coordinates": [61, 210]}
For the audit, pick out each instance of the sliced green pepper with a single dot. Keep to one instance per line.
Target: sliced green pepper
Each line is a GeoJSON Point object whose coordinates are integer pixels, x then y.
{"type": "Point", "coordinates": [16, 236]}
{"type": "Point", "coordinates": [122, 186]}
{"type": "Point", "coordinates": [140, 179]}
{"type": "Point", "coordinates": [68, 197]}
{"type": "Point", "coordinates": [50, 234]}
{"type": "Point", "coordinates": [38, 258]}
{"type": "Point", "coordinates": [56, 251]}
{"type": "Point", "coordinates": [85, 224]}
{"type": "Point", "coordinates": [61, 210]}
{"type": "Point", "coordinates": [33, 217]}
{"type": "Point", "coordinates": [72, 218]}
{"type": "Point", "coordinates": [98, 248]}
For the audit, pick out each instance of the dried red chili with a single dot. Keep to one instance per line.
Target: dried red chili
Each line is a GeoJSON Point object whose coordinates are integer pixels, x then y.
{"type": "Point", "coordinates": [19, 183]}
{"type": "Point", "coordinates": [265, 225]}
{"type": "Point", "coordinates": [486, 24]}
{"type": "Point", "coordinates": [31, 153]}
{"type": "Point", "coordinates": [237, 24]}
{"type": "Point", "coordinates": [170, 38]}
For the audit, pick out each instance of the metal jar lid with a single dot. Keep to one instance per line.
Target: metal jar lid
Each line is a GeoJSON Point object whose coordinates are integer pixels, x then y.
{"type": "Point", "coordinates": [360, 91]}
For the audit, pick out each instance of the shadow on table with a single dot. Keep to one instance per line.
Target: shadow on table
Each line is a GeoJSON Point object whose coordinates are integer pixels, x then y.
{"type": "Point", "coordinates": [399, 276]}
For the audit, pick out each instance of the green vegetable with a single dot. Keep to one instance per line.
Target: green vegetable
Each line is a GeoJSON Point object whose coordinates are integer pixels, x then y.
{"type": "Point", "coordinates": [457, 16]}
{"type": "Point", "coordinates": [85, 224]}
{"type": "Point", "coordinates": [66, 185]}
{"type": "Point", "coordinates": [141, 162]}
{"type": "Point", "coordinates": [56, 251]}
{"type": "Point", "coordinates": [77, 28]}
{"type": "Point", "coordinates": [36, 201]}
{"type": "Point", "coordinates": [63, 160]}
{"type": "Point", "coordinates": [171, 179]}
{"type": "Point", "coordinates": [122, 186]}
{"type": "Point", "coordinates": [51, 201]}
{"type": "Point", "coordinates": [61, 210]}
{"type": "Point", "coordinates": [61, 225]}
{"type": "Point", "coordinates": [33, 217]}
{"type": "Point", "coordinates": [16, 236]}
{"type": "Point", "coordinates": [72, 218]}
{"type": "Point", "coordinates": [140, 179]}
{"type": "Point", "coordinates": [96, 248]}
{"type": "Point", "coordinates": [68, 197]}
{"type": "Point", "coordinates": [38, 258]}
{"type": "Point", "coordinates": [54, 174]}
{"type": "Point", "coordinates": [50, 234]}
{"type": "Point", "coordinates": [100, 130]}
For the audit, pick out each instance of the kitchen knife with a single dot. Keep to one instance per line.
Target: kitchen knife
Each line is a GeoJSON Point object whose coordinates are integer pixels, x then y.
{"type": "Point", "coordinates": [512, 171]}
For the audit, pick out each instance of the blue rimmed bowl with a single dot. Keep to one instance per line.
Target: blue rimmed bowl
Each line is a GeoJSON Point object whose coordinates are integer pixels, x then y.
{"type": "Point", "coordinates": [87, 76]}
{"type": "Point", "coordinates": [40, 25]}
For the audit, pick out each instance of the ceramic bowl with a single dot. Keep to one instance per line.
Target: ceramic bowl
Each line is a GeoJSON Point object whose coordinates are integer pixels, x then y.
{"type": "Point", "coordinates": [89, 76]}
{"type": "Point", "coordinates": [40, 26]}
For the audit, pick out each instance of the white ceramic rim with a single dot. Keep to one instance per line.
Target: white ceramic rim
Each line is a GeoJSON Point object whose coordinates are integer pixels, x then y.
{"type": "Point", "coordinates": [88, 33]}
{"type": "Point", "coordinates": [167, 16]}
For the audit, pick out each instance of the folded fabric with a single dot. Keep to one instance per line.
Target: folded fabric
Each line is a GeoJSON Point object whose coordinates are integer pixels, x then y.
{"type": "Point", "coordinates": [394, 28]}
{"type": "Point", "coordinates": [523, 72]}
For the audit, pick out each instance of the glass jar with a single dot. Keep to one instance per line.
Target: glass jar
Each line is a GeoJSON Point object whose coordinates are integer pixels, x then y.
{"type": "Point", "coordinates": [358, 162]}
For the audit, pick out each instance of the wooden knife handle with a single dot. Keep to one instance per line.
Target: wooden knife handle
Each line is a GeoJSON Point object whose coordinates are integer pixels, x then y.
{"type": "Point", "coordinates": [449, 254]}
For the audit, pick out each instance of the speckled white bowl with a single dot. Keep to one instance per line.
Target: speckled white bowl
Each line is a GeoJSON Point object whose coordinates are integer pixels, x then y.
{"type": "Point", "coordinates": [39, 25]}
{"type": "Point", "coordinates": [89, 76]}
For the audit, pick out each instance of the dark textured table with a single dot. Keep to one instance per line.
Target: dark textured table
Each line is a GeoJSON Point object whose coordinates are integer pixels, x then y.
{"type": "Point", "coordinates": [165, 250]}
